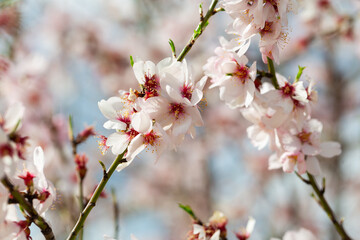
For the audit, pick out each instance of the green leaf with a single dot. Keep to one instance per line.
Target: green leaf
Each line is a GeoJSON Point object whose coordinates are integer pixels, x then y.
{"type": "Point", "coordinates": [71, 128]}
{"type": "Point", "coordinates": [188, 209]}
{"type": "Point", "coordinates": [172, 45]}
{"type": "Point", "coordinates": [301, 69]}
{"type": "Point", "coordinates": [131, 61]}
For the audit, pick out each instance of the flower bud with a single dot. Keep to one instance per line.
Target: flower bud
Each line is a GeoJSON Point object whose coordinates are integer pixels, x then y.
{"type": "Point", "coordinates": [85, 134]}
{"type": "Point", "coordinates": [43, 195]}
{"type": "Point", "coordinates": [81, 161]}
{"type": "Point", "coordinates": [28, 179]}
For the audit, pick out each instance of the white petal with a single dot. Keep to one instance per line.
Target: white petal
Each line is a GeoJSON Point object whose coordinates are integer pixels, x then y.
{"type": "Point", "coordinates": [201, 83]}
{"type": "Point", "coordinates": [313, 166]}
{"type": "Point", "coordinates": [135, 147]}
{"type": "Point", "coordinates": [181, 126]}
{"type": "Point", "coordinates": [118, 141]}
{"type": "Point", "coordinates": [196, 97]}
{"type": "Point", "coordinates": [195, 115]}
{"type": "Point", "coordinates": [149, 68]}
{"type": "Point", "coordinates": [229, 67]}
{"type": "Point", "coordinates": [114, 125]}
{"type": "Point", "coordinates": [139, 71]}
{"type": "Point", "coordinates": [250, 225]}
{"type": "Point", "coordinates": [198, 229]}
{"type": "Point", "coordinates": [216, 235]}
{"type": "Point", "coordinates": [141, 122]}
{"type": "Point", "coordinates": [274, 162]}
{"type": "Point", "coordinates": [39, 159]}
{"type": "Point", "coordinates": [310, 150]}
{"type": "Point", "coordinates": [244, 48]}
{"type": "Point", "coordinates": [258, 136]}
{"type": "Point", "coordinates": [107, 107]}
{"type": "Point", "coordinates": [330, 149]}
{"type": "Point", "coordinates": [250, 89]}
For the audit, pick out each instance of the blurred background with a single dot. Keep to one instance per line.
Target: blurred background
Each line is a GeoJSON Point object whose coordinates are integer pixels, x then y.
{"type": "Point", "coordinates": [61, 57]}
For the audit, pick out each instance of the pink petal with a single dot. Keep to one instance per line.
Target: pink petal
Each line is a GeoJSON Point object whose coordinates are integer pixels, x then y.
{"type": "Point", "coordinates": [330, 149]}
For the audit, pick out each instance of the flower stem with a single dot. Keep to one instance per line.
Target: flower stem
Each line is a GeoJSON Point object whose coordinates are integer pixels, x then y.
{"type": "Point", "coordinates": [91, 204]}
{"type": "Point", "coordinates": [273, 73]}
{"type": "Point", "coordinates": [24, 204]}
{"type": "Point", "coordinates": [204, 21]}
{"type": "Point", "coordinates": [116, 210]}
{"type": "Point", "coordinates": [81, 201]}
{"type": "Point", "coordinates": [326, 207]}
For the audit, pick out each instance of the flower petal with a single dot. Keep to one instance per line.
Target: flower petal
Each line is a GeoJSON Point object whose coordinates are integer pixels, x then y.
{"type": "Point", "coordinates": [330, 149]}
{"type": "Point", "coordinates": [313, 166]}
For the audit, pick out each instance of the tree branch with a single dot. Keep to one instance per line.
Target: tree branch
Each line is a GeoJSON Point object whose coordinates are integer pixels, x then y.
{"type": "Point", "coordinates": [35, 217]}
{"type": "Point", "coordinates": [204, 21]}
{"type": "Point", "coordinates": [326, 207]}
{"type": "Point", "coordinates": [91, 204]}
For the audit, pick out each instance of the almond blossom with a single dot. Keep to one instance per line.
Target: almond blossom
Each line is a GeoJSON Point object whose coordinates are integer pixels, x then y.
{"type": "Point", "coordinates": [300, 146]}
{"type": "Point", "coordinates": [33, 177]}
{"type": "Point", "coordinates": [159, 115]}
{"type": "Point", "coordinates": [229, 72]}
{"type": "Point", "coordinates": [267, 18]}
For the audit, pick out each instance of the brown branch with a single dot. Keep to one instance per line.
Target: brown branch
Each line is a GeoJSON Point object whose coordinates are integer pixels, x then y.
{"type": "Point", "coordinates": [34, 216]}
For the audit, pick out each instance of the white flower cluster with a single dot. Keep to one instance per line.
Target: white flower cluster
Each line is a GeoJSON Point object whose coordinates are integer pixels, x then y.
{"type": "Point", "coordinates": [281, 116]}
{"type": "Point", "coordinates": [158, 116]}
{"type": "Point", "coordinates": [265, 17]}
{"type": "Point", "coordinates": [27, 176]}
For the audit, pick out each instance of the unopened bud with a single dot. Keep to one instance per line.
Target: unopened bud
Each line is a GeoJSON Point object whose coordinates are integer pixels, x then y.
{"type": "Point", "coordinates": [28, 179]}
{"type": "Point", "coordinates": [81, 161]}
{"type": "Point", "coordinates": [43, 196]}
{"type": "Point", "coordinates": [85, 134]}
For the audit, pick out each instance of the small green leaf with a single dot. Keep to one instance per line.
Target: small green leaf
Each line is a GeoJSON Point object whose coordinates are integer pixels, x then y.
{"type": "Point", "coordinates": [188, 209]}
{"type": "Point", "coordinates": [301, 69]}
{"type": "Point", "coordinates": [172, 45]}
{"type": "Point", "coordinates": [131, 61]}
{"type": "Point", "coordinates": [71, 128]}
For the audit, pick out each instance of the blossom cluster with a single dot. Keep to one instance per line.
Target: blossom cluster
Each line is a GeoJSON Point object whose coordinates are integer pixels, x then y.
{"type": "Point", "coordinates": [159, 115]}
{"type": "Point", "coordinates": [267, 18]}
{"type": "Point", "coordinates": [280, 112]}
{"type": "Point", "coordinates": [27, 176]}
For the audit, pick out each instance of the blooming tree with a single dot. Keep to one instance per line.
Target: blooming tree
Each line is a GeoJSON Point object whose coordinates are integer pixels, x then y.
{"type": "Point", "coordinates": [164, 108]}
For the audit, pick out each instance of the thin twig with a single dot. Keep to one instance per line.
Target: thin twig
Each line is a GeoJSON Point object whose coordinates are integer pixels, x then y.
{"type": "Point", "coordinates": [302, 179]}
{"type": "Point", "coordinates": [116, 214]}
{"type": "Point", "coordinates": [324, 204]}
{"type": "Point", "coordinates": [91, 204]}
{"type": "Point", "coordinates": [25, 205]}
{"type": "Point", "coordinates": [199, 30]}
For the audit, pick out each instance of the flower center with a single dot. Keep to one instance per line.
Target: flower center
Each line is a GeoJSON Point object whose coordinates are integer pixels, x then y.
{"type": "Point", "coordinates": [177, 109]}
{"type": "Point", "coordinates": [186, 91]}
{"type": "Point", "coordinates": [150, 138]}
{"type": "Point", "coordinates": [125, 119]}
{"type": "Point", "coordinates": [151, 83]}
{"type": "Point", "coordinates": [132, 133]}
{"type": "Point", "coordinates": [242, 73]}
{"type": "Point", "coordinates": [267, 28]}
{"type": "Point", "coordinates": [288, 90]}
{"type": "Point", "coordinates": [304, 137]}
